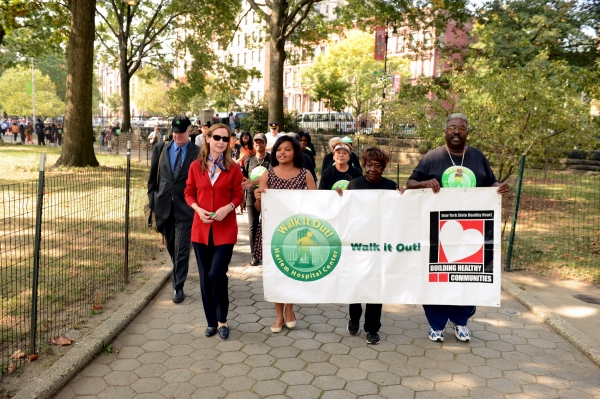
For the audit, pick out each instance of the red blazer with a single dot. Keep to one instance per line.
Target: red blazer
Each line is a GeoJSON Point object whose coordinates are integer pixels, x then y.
{"type": "Point", "coordinates": [227, 189]}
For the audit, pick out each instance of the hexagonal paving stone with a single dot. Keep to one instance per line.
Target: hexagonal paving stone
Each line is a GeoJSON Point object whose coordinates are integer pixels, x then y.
{"type": "Point", "coordinates": [264, 373]}
{"type": "Point", "coordinates": [352, 374]}
{"type": "Point", "coordinates": [270, 387]}
{"type": "Point", "coordinates": [361, 388]}
{"type": "Point", "coordinates": [238, 383]}
{"type": "Point", "coordinates": [302, 392]}
{"type": "Point", "coordinates": [290, 364]}
{"type": "Point", "coordinates": [148, 385]}
{"type": "Point", "coordinates": [417, 383]}
{"type": "Point", "coordinates": [88, 386]}
{"type": "Point", "coordinates": [150, 370]}
{"type": "Point", "coordinates": [329, 382]}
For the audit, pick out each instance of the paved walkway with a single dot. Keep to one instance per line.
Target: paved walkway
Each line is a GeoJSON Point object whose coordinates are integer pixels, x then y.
{"type": "Point", "coordinates": [163, 353]}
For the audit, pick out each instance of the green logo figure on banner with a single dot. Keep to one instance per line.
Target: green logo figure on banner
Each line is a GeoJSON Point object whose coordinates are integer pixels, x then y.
{"type": "Point", "coordinates": [306, 248]}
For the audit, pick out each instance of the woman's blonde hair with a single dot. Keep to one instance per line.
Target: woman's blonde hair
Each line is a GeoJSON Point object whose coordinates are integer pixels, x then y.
{"type": "Point", "coordinates": [203, 156]}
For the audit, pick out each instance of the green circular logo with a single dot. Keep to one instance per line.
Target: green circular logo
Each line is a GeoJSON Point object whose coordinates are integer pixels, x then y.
{"type": "Point", "coordinates": [458, 177]}
{"type": "Point", "coordinates": [306, 247]}
{"type": "Point", "coordinates": [341, 184]}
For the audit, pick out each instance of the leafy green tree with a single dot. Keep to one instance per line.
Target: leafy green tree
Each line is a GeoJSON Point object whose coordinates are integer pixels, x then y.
{"type": "Point", "coordinates": [148, 32]}
{"type": "Point", "coordinates": [258, 118]}
{"type": "Point", "coordinates": [55, 67]}
{"type": "Point", "coordinates": [114, 103]}
{"type": "Point", "coordinates": [16, 98]}
{"type": "Point", "coordinates": [31, 28]}
{"type": "Point", "coordinates": [150, 96]}
{"type": "Point", "coordinates": [349, 68]}
{"type": "Point", "coordinates": [329, 87]}
{"type": "Point", "coordinates": [532, 109]}
{"type": "Point", "coordinates": [515, 32]}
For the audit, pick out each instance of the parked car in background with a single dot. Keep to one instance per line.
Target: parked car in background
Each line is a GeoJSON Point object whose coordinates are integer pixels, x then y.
{"type": "Point", "coordinates": [156, 121]}
{"type": "Point", "coordinates": [343, 122]}
{"type": "Point", "coordinates": [138, 121]}
{"type": "Point", "coordinates": [99, 122]}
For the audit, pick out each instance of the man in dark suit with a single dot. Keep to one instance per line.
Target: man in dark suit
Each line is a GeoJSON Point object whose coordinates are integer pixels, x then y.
{"type": "Point", "coordinates": [166, 183]}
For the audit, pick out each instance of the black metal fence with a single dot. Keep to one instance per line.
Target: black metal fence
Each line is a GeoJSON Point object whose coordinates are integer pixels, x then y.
{"type": "Point", "coordinates": [554, 221]}
{"type": "Point", "coordinates": [92, 234]}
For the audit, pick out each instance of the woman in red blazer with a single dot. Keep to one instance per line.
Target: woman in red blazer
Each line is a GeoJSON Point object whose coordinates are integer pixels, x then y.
{"type": "Point", "coordinates": [214, 190]}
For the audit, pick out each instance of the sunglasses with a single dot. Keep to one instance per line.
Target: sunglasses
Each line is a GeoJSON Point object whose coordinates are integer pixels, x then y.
{"type": "Point", "coordinates": [216, 137]}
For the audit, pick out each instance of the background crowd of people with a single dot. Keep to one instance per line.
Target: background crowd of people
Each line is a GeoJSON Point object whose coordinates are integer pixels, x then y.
{"type": "Point", "coordinates": [22, 130]}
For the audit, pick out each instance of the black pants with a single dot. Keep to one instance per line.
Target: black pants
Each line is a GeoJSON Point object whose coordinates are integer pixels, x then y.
{"type": "Point", "coordinates": [253, 219]}
{"type": "Point", "coordinates": [179, 236]}
{"type": "Point", "coordinates": [372, 315]}
{"type": "Point", "coordinates": [213, 264]}
{"type": "Point", "coordinates": [40, 139]}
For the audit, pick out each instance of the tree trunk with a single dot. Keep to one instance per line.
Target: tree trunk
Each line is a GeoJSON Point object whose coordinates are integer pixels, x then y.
{"type": "Point", "coordinates": [125, 97]}
{"type": "Point", "coordinates": [276, 64]}
{"type": "Point", "coordinates": [78, 138]}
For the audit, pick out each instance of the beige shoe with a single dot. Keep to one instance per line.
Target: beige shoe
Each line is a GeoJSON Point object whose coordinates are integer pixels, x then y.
{"type": "Point", "coordinates": [276, 329]}
{"type": "Point", "coordinates": [290, 324]}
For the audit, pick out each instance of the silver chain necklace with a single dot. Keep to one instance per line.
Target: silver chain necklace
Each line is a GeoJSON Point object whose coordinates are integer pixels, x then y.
{"type": "Point", "coordinates": [459, 172]}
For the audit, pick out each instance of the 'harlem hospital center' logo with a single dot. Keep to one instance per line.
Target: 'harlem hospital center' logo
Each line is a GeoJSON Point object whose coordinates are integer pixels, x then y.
{"type": "Point", "coordinates": [305, 247]}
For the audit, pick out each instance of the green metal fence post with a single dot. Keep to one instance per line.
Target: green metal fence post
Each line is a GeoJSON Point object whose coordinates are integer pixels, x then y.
{"type": "Point", "coordinates": [398, 174]}
{"type": "Point", "coordinates": [127, 199]}
{"type": "Point", "coordinates": [36, 256]}
{"type": "Point", "coordinates": [513, 224]}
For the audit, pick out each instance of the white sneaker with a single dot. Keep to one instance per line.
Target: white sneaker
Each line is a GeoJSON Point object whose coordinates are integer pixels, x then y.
{"type": "Point", "coordinates": [436, 336]}
{"type": "Point", "coordinates": [461, 332]}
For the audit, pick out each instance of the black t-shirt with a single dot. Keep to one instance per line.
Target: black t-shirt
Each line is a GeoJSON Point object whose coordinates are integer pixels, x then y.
{"type": "Point", "coordinates": [361, 183]}
{"type": "Point", "coordinates": [435, 162]}
{"type": "Point", "coordinates": [328, 161]}
{"type": "Point", "coordinates": [331, 175]}
{"type": "Point", "coordinates": [235, 152]}
{"type": "Point", "coordinates": [309, 165]}
{"type": "Point", "coordinates": [249, 164]}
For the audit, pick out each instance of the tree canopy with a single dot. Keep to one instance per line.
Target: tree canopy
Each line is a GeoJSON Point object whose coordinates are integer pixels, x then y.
{"type": "Point", "coordinates": [16, 98]}
{"type": "Point", "coordinates": [351, 75]}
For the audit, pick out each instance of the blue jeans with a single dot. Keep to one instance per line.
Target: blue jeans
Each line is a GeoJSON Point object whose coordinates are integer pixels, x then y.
{"type": "Point", "coordinates": [213, 264]}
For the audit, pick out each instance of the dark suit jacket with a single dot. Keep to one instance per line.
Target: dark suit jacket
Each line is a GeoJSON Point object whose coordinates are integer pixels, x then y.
{"type": "Point", "coordinates": [169, 190]}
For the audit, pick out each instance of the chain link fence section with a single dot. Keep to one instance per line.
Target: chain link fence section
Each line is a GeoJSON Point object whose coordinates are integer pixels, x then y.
{"type": "Point", "coordinates": [81, 259]}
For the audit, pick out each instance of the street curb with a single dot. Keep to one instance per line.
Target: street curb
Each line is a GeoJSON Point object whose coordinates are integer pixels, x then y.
{"type": "Point", "coordinates": [558, 324]}
{"type": "Point", "coordinates": [57, 376]}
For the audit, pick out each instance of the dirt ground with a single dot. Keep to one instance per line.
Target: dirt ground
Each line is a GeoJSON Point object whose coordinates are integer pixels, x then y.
{"type": "Point", "coordinates": [13, 383]}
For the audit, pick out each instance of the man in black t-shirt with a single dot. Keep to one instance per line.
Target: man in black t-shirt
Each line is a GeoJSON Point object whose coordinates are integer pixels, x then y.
{"type": "Point", "coordinates": [374, 161]}
{"type": "Point", "coordinates": [453, 165]}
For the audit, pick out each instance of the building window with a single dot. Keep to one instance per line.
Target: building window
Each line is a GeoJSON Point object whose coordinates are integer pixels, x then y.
{"type": "Point", "coordinates": [238, 59]}
{"type": "Point", "coordinates": [427, 39]}
{"type": "Point", "coordinates": [294, 78]}
{"type": "Point", "coordinates": [286, 79]}
{"type": "Point", "coordinates": [326, 10]}
{"type": "Point", "coordinates": [259, 55]}
{"type": "Point", "coordinates": [245, 58]}
{"type": "Point", "coordinates": [259, 95]}
{"type": "Point", "coordinates": [252, 16]}
{"type": "Point", "coordinates": [238, 40]}
{"type": "Point", "coordinates": [413, 40]}
{"type": "Point", "coordinates": [400, 44]}
{"type": "Point", "coordinates": [322, 49]}
{"type": "Point", "coordinates": [246, 41]}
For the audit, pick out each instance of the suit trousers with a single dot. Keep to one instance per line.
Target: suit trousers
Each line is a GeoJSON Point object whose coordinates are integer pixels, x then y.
{"type": "Point", "coordinates": [253, 219]}
{"type": "Point", "coordinates": [372, 315]}
{"type": "Point", "coordinates": [438, 315]}
{"type": "Point", "coordinates": [178, 234]}
{"type": "Point", "coordinates": [213, 264]}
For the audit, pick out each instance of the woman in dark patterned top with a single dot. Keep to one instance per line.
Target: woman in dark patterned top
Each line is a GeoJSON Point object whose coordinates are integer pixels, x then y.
{"type": "Point", "coordinates": [286, 173]}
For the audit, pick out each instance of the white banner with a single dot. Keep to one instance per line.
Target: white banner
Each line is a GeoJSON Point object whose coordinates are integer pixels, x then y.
{"type": "Point", "coordinates": [373, 246]}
